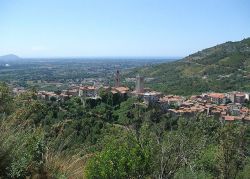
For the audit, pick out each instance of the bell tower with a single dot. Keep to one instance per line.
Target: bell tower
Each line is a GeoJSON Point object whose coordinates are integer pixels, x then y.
{"type": "Point", "coordinates": [117, 79]}
{"type": "Point", "coordinates": [139, 84]}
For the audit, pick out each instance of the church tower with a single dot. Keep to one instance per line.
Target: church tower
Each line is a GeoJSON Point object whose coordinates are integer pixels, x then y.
{"type": "Point", "coordinates": [117, 79]}
{"type": "Point", "coordinates": [139, 84]}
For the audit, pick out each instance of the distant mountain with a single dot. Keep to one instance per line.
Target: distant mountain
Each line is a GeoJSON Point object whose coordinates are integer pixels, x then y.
{"type": "Point", "coordinates": [9, 57]}
{"type": "Point", "coordinates": [224, 67]}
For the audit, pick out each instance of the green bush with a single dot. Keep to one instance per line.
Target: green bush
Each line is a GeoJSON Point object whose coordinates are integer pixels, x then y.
{"type": "Point", "coordinates": [120, 159]}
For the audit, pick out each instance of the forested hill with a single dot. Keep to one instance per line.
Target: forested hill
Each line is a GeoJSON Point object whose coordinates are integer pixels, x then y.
{"type": "Point", "coordinates": [224, 67]}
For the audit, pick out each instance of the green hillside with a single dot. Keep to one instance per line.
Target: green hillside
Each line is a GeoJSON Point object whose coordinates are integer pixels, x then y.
{"type": "Point", "coordinates": [224, 67]}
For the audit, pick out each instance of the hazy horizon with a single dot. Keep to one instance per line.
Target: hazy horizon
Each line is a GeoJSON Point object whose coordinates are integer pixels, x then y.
{"type": "Point", "coordinates": [95, 57]}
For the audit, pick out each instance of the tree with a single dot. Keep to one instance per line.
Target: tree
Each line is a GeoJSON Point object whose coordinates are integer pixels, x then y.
{"type": "Point", "coordinates": [231, 155]}
{"type": "Point", "coordinates": [122, 158]}
{"type": "Point", "coordinates": [128, 112]}
{"type": "Point", "coordinates": [176, 151]}
{"type": "Point", "coordinates": [5, 99]}
{"type": "Point", "coordinates": [245, 173]}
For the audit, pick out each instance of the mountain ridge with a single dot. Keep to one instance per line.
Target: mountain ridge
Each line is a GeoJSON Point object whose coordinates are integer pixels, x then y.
{"type": "Point", "coordinates": [224, 67]}
{"type": "Point", "coordinates": [9, 57]}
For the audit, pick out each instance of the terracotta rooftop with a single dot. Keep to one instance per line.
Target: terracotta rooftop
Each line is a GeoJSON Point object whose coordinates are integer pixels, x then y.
{"type": "Point", "coordinates": [229, 118]}
{"type": "Point", "coordinates": [171, 98]}
{"type": "Point", "coordinates": [121, 89]}
{"type": "Point", "coordinates": [87, 88]}
{"type": "Point", "coordinates": [222, 107]}
{"type": "Point", "coordinates": [217, 95]}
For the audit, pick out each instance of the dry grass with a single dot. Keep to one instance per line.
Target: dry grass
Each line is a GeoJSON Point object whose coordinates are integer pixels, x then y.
{"type": "Point", "coordinates": [57, 163]}
{"type": "Point", "coordinates": [70, 167]}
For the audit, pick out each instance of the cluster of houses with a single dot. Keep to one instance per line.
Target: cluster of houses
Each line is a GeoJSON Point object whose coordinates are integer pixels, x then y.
{"type": "Point", "coordinates": [227, 106]}
{"type": "Point", "coordinates": [62, 96]}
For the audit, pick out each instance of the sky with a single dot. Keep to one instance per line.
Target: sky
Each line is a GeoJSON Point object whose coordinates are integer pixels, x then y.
{"type": "Point", "coordinates": [136, 28]}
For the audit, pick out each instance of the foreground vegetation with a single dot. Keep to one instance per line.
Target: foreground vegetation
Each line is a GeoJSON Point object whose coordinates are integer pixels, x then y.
{"type": "Point", "coordinates": [114, 138]}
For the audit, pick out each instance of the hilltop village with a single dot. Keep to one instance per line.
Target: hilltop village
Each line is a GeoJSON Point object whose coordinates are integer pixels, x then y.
{"type": "Point", "coordinates": [228, 106]}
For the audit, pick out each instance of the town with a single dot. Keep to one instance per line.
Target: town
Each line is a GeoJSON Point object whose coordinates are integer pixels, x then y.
{"type": "Point", "coordinates": [228, 106]}
{"type": "Point", "coordinates": [124, 89]}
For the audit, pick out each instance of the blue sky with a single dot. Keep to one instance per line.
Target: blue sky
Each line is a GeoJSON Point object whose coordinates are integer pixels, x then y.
{"type": "Point", "coordinates": [66, 28]}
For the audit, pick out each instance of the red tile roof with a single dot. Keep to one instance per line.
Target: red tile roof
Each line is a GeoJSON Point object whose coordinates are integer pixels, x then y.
{"type": "Point", "coordinates": [217, 95]}
{"type": "Point", "coordinates": [229, 118]}
{"type": "Point", "coordinates": [87, 88]}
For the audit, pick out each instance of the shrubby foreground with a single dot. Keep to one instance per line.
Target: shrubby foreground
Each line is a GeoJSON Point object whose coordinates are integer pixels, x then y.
{"type": "Point", "coordinates": [115, 139]}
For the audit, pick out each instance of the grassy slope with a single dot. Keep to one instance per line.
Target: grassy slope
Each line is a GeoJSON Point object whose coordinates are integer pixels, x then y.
{"type": "Point", "coordinates": [224, 67]}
